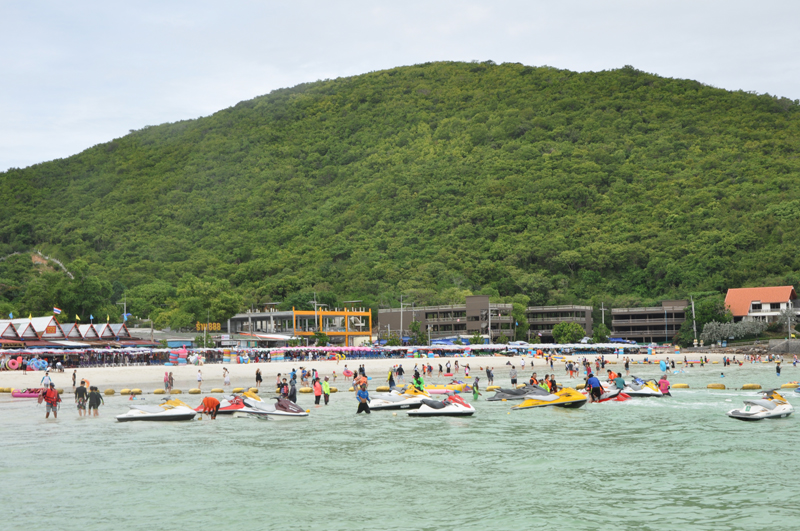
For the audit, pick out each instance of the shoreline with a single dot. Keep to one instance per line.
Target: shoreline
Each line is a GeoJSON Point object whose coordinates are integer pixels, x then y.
{"type": "Point", "coordinates": [151, 377]}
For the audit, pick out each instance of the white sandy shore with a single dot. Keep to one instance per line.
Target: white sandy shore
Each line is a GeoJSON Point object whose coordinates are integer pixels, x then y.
{"type": "Point", "coordinates": [149, 378]}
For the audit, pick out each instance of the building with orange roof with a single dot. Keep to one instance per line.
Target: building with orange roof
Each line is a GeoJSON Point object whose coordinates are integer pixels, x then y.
{"type": "Point", "coordinates": [761, 304]}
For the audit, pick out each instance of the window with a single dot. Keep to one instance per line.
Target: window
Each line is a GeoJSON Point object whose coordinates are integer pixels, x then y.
{"type": "Point", "coordinates": [756, 306]}
{"type": "Point", "coordinates": [460, 327]}
{"type": "Point", "coordinates": [775, 306]}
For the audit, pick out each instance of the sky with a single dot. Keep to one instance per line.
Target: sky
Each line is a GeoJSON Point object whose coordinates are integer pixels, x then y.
{"type": "Point", "coordinates": [76, 74]}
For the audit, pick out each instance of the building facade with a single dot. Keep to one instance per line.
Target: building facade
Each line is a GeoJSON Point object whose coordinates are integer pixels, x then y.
{"type": "Point", "coordinates": [761, 304]}
{"type": "Point", "coordinates": [542, 319]}
{"type": "Point", "coordinates": [655, 324]}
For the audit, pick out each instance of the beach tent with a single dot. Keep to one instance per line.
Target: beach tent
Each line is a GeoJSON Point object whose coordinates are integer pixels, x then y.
{"type": "Point", "coordinates": [8, 331]}
{"type": "Point", "coordinates": [120, 331]}
{"type": "Point", "coordinates": [104, 331]}
{"type": "Point", "coordinates": [88, 332]}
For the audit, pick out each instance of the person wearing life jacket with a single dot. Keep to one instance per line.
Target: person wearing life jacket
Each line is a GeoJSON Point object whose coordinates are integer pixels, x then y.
{"type": "Point", "coordinates": [211, 406]}
{"type": "Point", "coordinates": [390, 379]}
{"type": "Point", "coordinates": [545, 383]}
{"type": "Point", "coordinates": [52, 398]}
{"type": "Point", "coordinates": [317, 390]}
{"type": "Point", "coordinates": [553, 384]}
{"type": "Point", "coordinates": [326, 390]}
{"type": "Point", "coordinates": [284, 389]}
{"type": "Point", "coordinates": [611, 375]}
{"type": "Point", "coordinates": [533, 380]}
{"type": "Point", "coordinates": [418, 382]}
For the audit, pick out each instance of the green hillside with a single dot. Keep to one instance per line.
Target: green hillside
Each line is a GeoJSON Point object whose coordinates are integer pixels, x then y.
{"type": "Point", "coordinates": [430, 181]}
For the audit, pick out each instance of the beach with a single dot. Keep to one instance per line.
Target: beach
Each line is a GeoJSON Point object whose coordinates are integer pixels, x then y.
{"type": "Point", "coordinates": [151, 377]}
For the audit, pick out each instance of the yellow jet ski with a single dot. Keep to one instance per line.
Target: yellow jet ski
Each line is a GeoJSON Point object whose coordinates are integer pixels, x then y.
{"type": "Point", "coordinates": [566, 397]}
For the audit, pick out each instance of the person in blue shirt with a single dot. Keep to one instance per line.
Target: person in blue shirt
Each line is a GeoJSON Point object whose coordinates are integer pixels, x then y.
{"type": "Point", "coordinates": [594, 388]}
{"type": "Point", "coordinates": [363, 400]}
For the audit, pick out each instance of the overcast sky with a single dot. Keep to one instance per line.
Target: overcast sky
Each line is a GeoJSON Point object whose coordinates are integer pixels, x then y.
{"type": "Point", "coordinates": [75, 74]}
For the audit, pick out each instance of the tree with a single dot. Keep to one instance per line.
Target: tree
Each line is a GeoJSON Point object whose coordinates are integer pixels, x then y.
{"type": "Point", "coordinates": [320, 338]}
{"type": "Point", "coordinates": [568, 332]}
{"type": "Point", "coordinates": [707, 309]}
{"type": "Point", "coordinates": [520, 321]}
{"type": "Point", "coordinates": [393, 340]}
{"type": "Point", "coordinates": [788, 319]}
{"type": "Point", "coordinates": [600, 333]}
{"type": "Point", "coordinates": [476, 339]}
{"type": "Point", "coordinates": [202, 341]}
{"type": "Point", "coordinates": [417, 336]}
{"type": "Point", "coordinates": [502, 339]}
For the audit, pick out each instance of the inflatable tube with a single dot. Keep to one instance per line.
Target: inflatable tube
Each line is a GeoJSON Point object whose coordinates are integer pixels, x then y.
{"type": "Point", "coordinates": [680, 386]}
{"type": "Point", "coordinates": [168, 364]}
{"type": "Point", "coordinates": [238, 390]}
{"type": "Point", "coordinates": [60, 391]}
{"type": "Point", "coordinates": [790, 386]}
{"type": "Point", "coordinates": [12, 365]}
{"type": "Point", "coordinates": [194, 391]}
{"type": "Point", "coordinates": [136, 391]}
{"type": "Point", "coordinates": [125, 392]}
{"type": "Point", "coordinates": [348, 373]}
{"type": "Point", "coordinates": [217, 390]}
{"type": "Point", "coordinates": [448, 374]}
{"type": "Point", "coordinates": [383, 389]}
{"type": "Point", "coordinates": [580, 386]}
{"type": "Point", "coordinates": [714, 362]}
{"type": "Point", "coordinates": [751, 386]}
{"type": "Point", "coordinates": [108, 392]}
{"type": "Point", "coordinates": [175, 392]}
{"type": "Point", "coordinates": [305, 389]}
{"type": "Point", "coordinates": [715, 386]}
{"type": "Point", "coordinates": [334, 390]}
{"type": "Point", "coordinates": [351, 389]}
{"type": "Point", "coordinates": [159, 392]}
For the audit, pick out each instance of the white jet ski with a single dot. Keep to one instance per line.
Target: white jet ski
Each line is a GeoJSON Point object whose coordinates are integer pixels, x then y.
{"type": "Point", "coordinates": [772, 406]}
{"type": "Point", "coordinates": [283, 409]}
{"type": "Point", "coordinates": [170, 410]}
{"type": "Point", "coordinates": [410, 398]}
{"type": "Point", "coordinates": [641, 388]}
{"type": "Point", "coordinates": [452, 406]}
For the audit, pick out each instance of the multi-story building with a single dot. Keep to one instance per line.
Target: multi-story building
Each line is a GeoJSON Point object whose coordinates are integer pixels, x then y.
{"type": "Point", "coordinates": [462, 320]}
{"type": "Point", "coordinates": [542, 319]}
{"type": "Point", "coordinates": [761, 304]}
{"type": "Point", "coordinates": [651, 324]}
{"type": "Point", "coordinates": [343, 326]}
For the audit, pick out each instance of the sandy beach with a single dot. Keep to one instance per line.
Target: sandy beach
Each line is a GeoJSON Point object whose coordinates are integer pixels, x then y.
{"type": "Point", "coordinates": [149, 378]}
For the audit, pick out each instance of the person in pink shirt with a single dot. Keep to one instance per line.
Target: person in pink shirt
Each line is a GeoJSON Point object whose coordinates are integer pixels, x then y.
{"type": "Point", "coordinates": [663, 385]}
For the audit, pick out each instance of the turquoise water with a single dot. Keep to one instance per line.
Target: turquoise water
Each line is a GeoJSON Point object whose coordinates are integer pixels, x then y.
{"type": "Point", "coordinates": [672, 463]}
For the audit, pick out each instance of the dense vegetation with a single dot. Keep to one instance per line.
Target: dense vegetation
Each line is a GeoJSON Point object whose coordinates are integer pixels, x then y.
{"type": "Point", "coordinates": [532, 184]}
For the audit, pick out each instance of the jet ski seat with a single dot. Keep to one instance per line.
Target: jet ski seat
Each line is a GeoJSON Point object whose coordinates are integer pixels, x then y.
{"type": "Point", "coordinates": [435, 404]}
{"type": "Point", "coordinates": [767, 404]}
{"type": "Point", "coordinates": [149, 409]}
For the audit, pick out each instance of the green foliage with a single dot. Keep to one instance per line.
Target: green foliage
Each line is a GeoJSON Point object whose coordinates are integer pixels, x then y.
{"type": "Point", "coordinates": [502, 339]}
{"type": "Point", "coordinates": [476, 338]}
{"type": "Point", "coordinates": [600, 333]}
{"type": "Point", "coordinates": [393, 340]}
{"type": "Point", "coordinates": [708, 308]}
{"type": "Point", "coordinates": [204, 341]}
{"type": "Point", "coordinates": [417, 336]}
{"type": "Point", "coordinates": [568, 332]}
{"type": "Point", "coordinates": [320, 338]}
{"type": "Point", "coordinates": [437, 179]}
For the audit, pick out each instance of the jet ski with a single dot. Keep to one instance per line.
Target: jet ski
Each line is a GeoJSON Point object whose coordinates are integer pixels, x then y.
{"type": "Point", "coordinates": [611, 394]}
{"type": "Point", "coordinates": [233, 403]}
{"type": "Point", "coordinates": [170, 410]}
{"type": "Point", "coordinates": [517, 394]}
{"type": "Point", "coordinates": [283, 409]}
{"type": "Point", "coordinates": [407, 398]}
{"type": "Point", "coordinates": [641, 388]}
{"type": "Point", "coordinates": [772, 406]}
{"type": "Point", "coordinates": [566, 397]}
{"type": "Point", "coordinates": [452, 406]}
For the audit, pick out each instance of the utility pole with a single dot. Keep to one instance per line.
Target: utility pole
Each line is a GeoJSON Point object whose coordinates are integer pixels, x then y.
{"type": "Point", "coordinates": [490, 323]}
{"type": "Point", "coordinates": [666, 333]}
{"type": "Point", "coordinates": [694, 322]}
{"type": "Point", "coordinates": [401, 320]}
{"type": "Point", "coordinates": [205, 332]}
{"type": "Point", "coordinates": [603, 313]}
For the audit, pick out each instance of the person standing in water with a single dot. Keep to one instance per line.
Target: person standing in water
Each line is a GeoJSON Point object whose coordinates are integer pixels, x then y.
{"type": "Point", "coordinates": [95, 400]}
{"type": "Point", "coordinates": [778, 369]}
{"type": "Point", "coordinates": [513, 375]}
{"type": "Point", "coordinates": [52, 398]}
{"type": "Point", "coordinates": [211, 407]}
{"type": "Point", "coordinates": [317, 390]}
{"type": "Point", "coordinates": [326, 390]}
{"type": "Point", "coordinates": [199, 379]}
{"type": "Point", "coordinates": [226, 377]}
{"type": "Point", "coordinates": [663, 385]}
{"type": "Point", "coordinates": [171, 382]}
{"type": "Point", "coordinates": [476, 392]}
{"type": "Point", "coordinates": [363, 400]}
{"type": "Point", "coordinates": [80, 399]}
{"type": "Point", "coordinates": [292, 391]}
{"type": "Point", "coordinates": [74, 376]}
{"type": "Point", "coordinates": [390, 379]}
{"type": "Point", "coordinates": [258, 378]}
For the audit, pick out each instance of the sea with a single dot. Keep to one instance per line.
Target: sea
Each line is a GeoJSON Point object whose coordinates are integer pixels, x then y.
{"type": "Point", "coordinates": [648, 463]}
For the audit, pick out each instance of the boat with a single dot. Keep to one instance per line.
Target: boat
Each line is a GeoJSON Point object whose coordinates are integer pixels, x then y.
{"type": "Point", "coordinates": [452, 406]}
{"type": "Point", "coordinates": [282, 409]}
{"type": "Point", "coordinates": [642, 388]}
{"type": "Point", "coordinates": [169, 410]}
{"type": "Point", "coordinates": [566, 397]}
{"type": "Point", "coordinates": [33, 392]}
{"type": "Point", "coordinates": [517, 394]}
{"type": "Point", "coordinates": [408, 398]}
{"type": "Point", "coordinates": [772, 406]}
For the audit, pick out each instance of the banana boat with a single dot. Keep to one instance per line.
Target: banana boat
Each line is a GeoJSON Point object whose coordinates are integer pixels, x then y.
{"type": "Point", "coordinates": [566, 397]}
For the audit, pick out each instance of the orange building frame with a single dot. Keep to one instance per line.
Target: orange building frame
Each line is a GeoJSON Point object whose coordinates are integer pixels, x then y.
{"type": "Point", "coordinates": [319, 316]}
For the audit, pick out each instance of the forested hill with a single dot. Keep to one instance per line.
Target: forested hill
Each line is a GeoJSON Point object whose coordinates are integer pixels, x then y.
{"type": "Point", "coordinates": [435, 179]}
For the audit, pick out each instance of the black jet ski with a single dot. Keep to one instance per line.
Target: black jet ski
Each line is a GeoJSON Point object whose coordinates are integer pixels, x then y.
{"type": "Point", "coordinates": [517, 394]}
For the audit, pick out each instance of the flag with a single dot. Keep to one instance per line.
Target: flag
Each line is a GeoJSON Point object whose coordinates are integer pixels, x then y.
{"type": "Point", "coordinates": [30, 316]}
{"type": "Point", "coordinates": [91, 317]}
{"type": "Point", "coordinates": [56, 311]}
{"type": "Point", "coordinates": [107, 318]}
{"type": "Point", "coordinates": [11, 315]}
{"type": "Point", "coordinates": [77, 317]}
{"type": "Point", "coordinates": [516, 323]}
